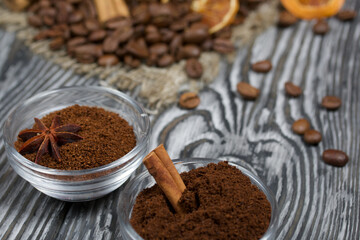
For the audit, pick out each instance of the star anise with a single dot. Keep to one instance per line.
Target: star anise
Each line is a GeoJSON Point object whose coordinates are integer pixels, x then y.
{"type": "Point", "coordinates": [47, 140]}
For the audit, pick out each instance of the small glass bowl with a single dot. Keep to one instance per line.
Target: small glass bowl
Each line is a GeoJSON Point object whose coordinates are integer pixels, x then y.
{"type": "Point", "coordinates": [144, 180]}
{"type": "Point", "coordinates": [77, 185]}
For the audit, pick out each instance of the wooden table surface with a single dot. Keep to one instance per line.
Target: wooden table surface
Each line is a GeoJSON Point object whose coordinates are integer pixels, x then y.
{"type": "Point", "coordinates": [315, 200]}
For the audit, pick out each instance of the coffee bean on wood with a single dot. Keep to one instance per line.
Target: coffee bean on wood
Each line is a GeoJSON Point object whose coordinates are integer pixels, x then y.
{"type": "Point", "coordinates": [346, 15]}
{"type": "Point", "coordinates": [335, 157]}
{"type": "Point", "coordinates": [247, 91]}
{"type": "Point", "coordinates": [193, 68]}
{"type": "Point", "coordinates": [292, 89]}
{"type": "Point", "coordinates": [300, 126]}
{"type": "Point", "coordinates": [321, 27]}
{"type": "Point", "coordinates": [331, 102]}
{"type": "Point", "coordinates": [189, 100]}
{"type": "Point", "coordinates": [262, 66]}
{"type": "Point", "coordinates": [312, 137]}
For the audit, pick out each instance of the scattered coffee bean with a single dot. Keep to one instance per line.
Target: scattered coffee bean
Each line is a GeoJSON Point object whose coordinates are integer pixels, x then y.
{"type": "Point", "coordinates": [193, 68]}
{"type": "Point", "coordinates": [189, 100]}
{"type": "Point", "coordinates": [79, 29]}
{"type": "Point", "coordinates": [262, 66]}
{"type": "Point", "coordinates": [331, 102]}
{"type": "Point", "coordinates": [247, 91]}
{"type": "Point", "coordinates": [286, 19]}
{"type": "Point", "coordinates": [346, 15]}
{"type": "Point", "coordinates": [292, 89]}
{"type": "Point", "coordinates": [85, 58]}
{"type": "Point", "coordinates": [89, 49]}
{"type": "Point", "coordinates": [190, 51]}
{"type": "Point", "coordinates": [312, 137]}
{"type": "Point", "coordinates": [197, 33]}
{"type": "Point", "coordinates": [321, 27]}
{"type": "Point", "coordinates": [108, 60]}
{"type": "Point", "coordinates": [335, 157]}
{"type": "Point", "coordinates": [300, 126]}
{"type": "Point", "coordinates": [138, 48]}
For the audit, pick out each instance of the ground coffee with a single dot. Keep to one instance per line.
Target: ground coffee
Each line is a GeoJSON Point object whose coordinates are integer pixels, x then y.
{"type": "Point", "coordinates": [220, 203]}
{"type": "Point", "coordinates": [106, 138]}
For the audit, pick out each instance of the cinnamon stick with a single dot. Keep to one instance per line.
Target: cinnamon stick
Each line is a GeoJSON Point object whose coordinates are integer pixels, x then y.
{"type": "Point", "coordinates": [165, 174]}
{"type": "Point", "coordinates": [169, 165]}
{"type": "Point", "coordinates": [108, 9]}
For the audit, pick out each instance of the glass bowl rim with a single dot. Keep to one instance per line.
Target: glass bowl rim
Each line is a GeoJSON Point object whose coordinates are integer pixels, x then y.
{"type": "Point", "coordinates": [59, 172]}
{"type": "Point", "coordinates": [126, 226]}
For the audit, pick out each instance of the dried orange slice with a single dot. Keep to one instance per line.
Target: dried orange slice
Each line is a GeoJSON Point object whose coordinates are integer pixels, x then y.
{"type": "Point", "coordinates": [310, 9]}
{"type": "Point", "coordinates": [216, 13]}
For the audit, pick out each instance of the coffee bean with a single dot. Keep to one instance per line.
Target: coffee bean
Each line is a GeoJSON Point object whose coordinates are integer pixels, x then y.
{"type": "Point", "coordinates": [321, 27]}
{"type": "Point", "coordinates": [207, 45]}
{"type": "Point", "coordinates": [47, 11]}
{"type": "Point", "coordinates": [190, 51]}
{"type": "Point", "coordinates": [131, 61]}
{"type": "Point", "coordinates": [161, 14]}
{"type": "Point", "coordinates": [76, 17]}
{"type": "Point", "coordinates": [62, 16]}
{"type": "Point", "coordinates": [64, 6]}
{"type": "Point", "coordinates": [262, 66]}
{"type": "Point", "coordinates": [222, 45]}
{"type": "Point", "coordinates": [346, 15]}
{"type": "Point", "coordinates": [91, 49]}
{"type": "Point", "coordinates": [166, 35]}
{"type": "Point", "coordinates": [286, 19]}
{"type": "Point", "coordinates": [97, 35]}
{"type": "Point", "coordinates": [138, 48]}
{"type": "Point", "coordinates": [153, 37]}
{"type": "Point", "coordinates": [34, 21]}
{"type": "Point", "coordinates": [247, 91]}
{"type": "Point", "coordinates": [292, 89]}
{"type": "Point", "coordinates": [123, 35]}
{"type": "Point", "coordinates": [165, 60]}
{"type": "Point", "coordinates": [110, 44]}
{"type": "Point", "coordinates": [45, 3]}
{"type": "Point", "coordinates": [225, 33]}
{"type": "Point", "coordinates": [159, 49]}
{"type": "Point", "coordinates": [193, 68]}
{"type": "Point", "coordinates": [331, 102]}
{"type": "Point", "coordinates": [140, 14]}
{"type": "Point", "coordinates": [56, 44]}
{"type": "Point", "coordinates": [312, 136]}
{"type": "Point", "coordinates": [300, 126]}
{"type": "Point", "coordinates": [178, 25]}
{"type": "Point", "coordinates": [175, 45]}
{"type": "Point", "coordinates": [196, 33]}
{"type": "Point", "coordinates": [189, 100]}
{"type": "Point", "coordinates": [121, 52]}
{"type": "Point", "coordinates": [48, 21]}
{"type": "Point", "coordinates": [78, 29]}
{"type": "Point", "coordinates": [118, 23]}
{"type": "Point", "coordinates": [193, 17]}
{"type": "Point", "coordinates": [75, 42]}
{"type": "Point", "coordinates": [108, 60]}
{"type": "Point", "coordinates": [92, 24]}
{"type": "Point", "coordinates": [85, 58]}
{"type": "Point", "coordinates": [335, 157]}
{"type": "Point", "coordinates": [152, 59]}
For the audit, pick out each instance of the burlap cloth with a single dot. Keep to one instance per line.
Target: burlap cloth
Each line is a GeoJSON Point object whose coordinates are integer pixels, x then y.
{"type": "Point", "coordinates": [155, 87]}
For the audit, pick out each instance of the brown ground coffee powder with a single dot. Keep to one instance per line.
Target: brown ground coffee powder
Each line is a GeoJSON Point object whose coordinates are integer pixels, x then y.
{"type": "Point", "coordinates": [106, 138]}
{"type": "Point", "coordinates": [220, 203]}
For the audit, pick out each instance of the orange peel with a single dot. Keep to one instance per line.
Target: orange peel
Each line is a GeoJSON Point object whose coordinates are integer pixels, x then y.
{"type": "Point", "coordinates": [313, 9]}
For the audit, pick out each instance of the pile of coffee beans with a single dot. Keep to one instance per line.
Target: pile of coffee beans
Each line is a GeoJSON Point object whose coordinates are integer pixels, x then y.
{"type": "Point", "coordinates": [156, 34]}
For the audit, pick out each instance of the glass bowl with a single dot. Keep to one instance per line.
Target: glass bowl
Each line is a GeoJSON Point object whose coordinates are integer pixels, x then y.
{"type": "Point", "coordinates": [77, 185]}
{"type": "Point", "coordinates": [144, 180]}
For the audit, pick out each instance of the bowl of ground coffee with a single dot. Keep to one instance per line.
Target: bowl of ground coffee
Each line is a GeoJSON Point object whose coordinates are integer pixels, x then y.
{"type": "Point", "coordinates": [222, 200]}
{"type": "Point", "coordinates": [77, 143]}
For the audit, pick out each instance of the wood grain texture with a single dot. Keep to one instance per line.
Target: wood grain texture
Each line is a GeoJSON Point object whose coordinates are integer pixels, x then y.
{"type": "Point", "coordinates": [315, 200]}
